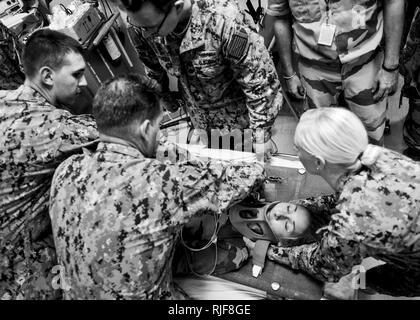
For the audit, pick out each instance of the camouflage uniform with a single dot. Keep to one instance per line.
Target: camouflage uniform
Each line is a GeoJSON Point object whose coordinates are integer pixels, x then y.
{"type": "Point", "coordinates": [10, 75]}
{"type": "Point", "coordinates": [225, 73]}
{"type": "Point", "coordinates": [35, 137]}
{"type": "Point", "coordinates": [350, 65]}
{"type": "Point", "coordinates": [116, 217]}
{"type": "Point", "coordinates": [411, 63]}
{"type": "Point", "coordinates": [376, 214]}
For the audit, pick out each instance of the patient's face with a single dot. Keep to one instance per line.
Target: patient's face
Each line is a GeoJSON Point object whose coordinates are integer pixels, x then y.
{"type": "Point", "coordinates": [288, 220]}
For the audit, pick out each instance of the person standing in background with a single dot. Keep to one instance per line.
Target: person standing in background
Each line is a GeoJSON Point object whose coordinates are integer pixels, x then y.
{"type": "Point", "coordinates": [36, 135]}
{"type": "Point", "coordinates": [226, 76]}
{"type": "Point", "coordinates": [337, 44]}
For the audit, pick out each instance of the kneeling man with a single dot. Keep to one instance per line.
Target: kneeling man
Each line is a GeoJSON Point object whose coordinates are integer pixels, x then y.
{"type": "Point", "coordinates": [116, 214]}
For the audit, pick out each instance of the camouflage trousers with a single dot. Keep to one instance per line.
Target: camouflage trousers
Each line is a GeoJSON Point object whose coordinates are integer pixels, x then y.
{"type": "Point", "coordinates": [386, 279]}
{"type": "Point", "coordinates": [352, 81]}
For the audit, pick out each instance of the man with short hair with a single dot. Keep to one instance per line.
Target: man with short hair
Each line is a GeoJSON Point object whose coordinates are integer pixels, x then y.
{"type": "Point", "coordinates": [116, 214]}
{"type": "Point", "coordinates": [226, 76]}
{"type": "Point", "coordinates": [36, 135]}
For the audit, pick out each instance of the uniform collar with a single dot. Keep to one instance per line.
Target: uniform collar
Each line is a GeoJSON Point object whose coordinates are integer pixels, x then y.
{"type": "Point", "coordinates": [119, 148]}
{"type": "Point", "coordinates": [194, 37]}
{"type": "Point", "coordinates": [342, 181]}
{"type": "Point", "coordinates": [26, 92]}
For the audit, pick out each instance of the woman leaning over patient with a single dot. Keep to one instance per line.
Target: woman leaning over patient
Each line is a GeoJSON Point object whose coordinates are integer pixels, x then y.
{"type": "Point", "coordinates": [376, 206]}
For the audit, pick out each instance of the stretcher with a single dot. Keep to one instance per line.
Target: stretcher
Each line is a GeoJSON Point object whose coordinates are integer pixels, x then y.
{"type": "Point", "coordinates": [278, 282]}
{"type": "Point", "coordinates": [286, 180]}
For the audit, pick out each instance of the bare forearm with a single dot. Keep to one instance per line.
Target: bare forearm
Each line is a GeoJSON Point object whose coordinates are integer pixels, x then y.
{"type": "Point", "coordinates": [283, 32]}
{"type": "Point", "coordinates": [393, 28]}
{"type": "Point", "coordinates": [267, 32]}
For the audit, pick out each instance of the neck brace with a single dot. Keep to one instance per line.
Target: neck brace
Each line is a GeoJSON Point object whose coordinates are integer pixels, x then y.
{"type": "Point", "coordinates": [242, 218]}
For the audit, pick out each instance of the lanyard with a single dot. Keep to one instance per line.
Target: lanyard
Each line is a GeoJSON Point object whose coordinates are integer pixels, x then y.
{"type": "Point", "coordinates": [327, 9]}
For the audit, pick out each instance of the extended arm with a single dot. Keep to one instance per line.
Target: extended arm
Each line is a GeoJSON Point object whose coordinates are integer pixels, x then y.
{"type": "Point", "coordinates": [256, 74]}
{"type": "Point", "coordinates": [328, 260]}
{"type": "Point", "coordinates": [284, 38]}
{"type": "Point", "coordinates": [152, 67]}
{"type": "Point", "coordinates": [386, 80]}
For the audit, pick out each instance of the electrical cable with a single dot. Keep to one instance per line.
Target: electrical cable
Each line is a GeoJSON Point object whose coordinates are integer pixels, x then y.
{"type": "Point", "coordinates": [109, 7]}
{"type": "Point", "coordinates": [66, 10]}
{"type": "Point", "coordinates": [202, 274]}
{"type": "Point", "coordinates": [213, 240]}
{"type": "Point", "coordinates": [275, 146]}
{"type": "Point", "coordinates": [104, 10]}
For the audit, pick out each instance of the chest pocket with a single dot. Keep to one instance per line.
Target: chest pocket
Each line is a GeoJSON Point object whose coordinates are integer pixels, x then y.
{"type": "Point", "coordinates": [306, 11]}
{"type": "Point", "coordinates": [208, 65]}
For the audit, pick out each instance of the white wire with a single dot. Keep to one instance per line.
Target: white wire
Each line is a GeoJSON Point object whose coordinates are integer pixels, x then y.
{"type": "Point", "coordinates": [213, 240]}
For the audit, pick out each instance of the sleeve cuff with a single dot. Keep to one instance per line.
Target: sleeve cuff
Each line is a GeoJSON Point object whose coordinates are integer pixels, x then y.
{"type": "Point", "coordinates": [277, 8]}
{"type": "Point", "coordinates": [261, 135]}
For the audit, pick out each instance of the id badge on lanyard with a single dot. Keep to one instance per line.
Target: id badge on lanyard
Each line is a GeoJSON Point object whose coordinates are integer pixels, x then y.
{"type": "Point", "coordinates": [327, 33]}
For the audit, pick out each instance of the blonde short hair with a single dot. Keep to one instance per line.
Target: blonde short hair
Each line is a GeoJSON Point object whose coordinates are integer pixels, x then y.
{"type": "Point", "coordinates": [335, 134]}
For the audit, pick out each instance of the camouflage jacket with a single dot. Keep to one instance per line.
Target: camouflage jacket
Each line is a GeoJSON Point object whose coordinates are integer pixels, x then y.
{"type": "Point", "coordinates": [10, 75]}
{"type": "Point", "coordinates": [116, 217]}
{"type": "Point", "coordinates": [225, 73]}
{"type": "Point", "coordinates": [376, 214]}
{"type": "Point", "coordinates": [359, 27]}
{"type": "Point", "coordinates": [35, 137]}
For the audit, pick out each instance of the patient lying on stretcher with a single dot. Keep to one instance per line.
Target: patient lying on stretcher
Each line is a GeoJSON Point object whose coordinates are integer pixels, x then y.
{"type": "Point", "coordinates": [289, 224]}
{"type": "Point", "coordinates": [286, 223]}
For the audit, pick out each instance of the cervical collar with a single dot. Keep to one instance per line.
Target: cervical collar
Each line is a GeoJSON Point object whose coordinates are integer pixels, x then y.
{"type": "Point", "coordinates": [243, 218]}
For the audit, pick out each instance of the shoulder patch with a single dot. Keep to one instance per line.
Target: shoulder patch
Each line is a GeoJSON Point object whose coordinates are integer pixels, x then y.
{"type": "Point", "coordinates": [238, 44]}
